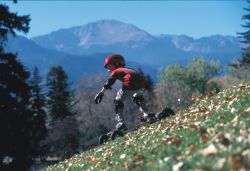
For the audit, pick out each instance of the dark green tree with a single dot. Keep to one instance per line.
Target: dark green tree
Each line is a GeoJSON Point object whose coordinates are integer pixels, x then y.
{"type": "Point", "coordinates": [245, 36]}
{"type": "Point", "coordinates": [62, 112]}
{"type": "Point", "coordinates": [241, 67]}
{"type": "Point", "coordinates": [37, 103]}
{"type": "Point", "coordinates": [15, 115]}
{"type": "Point", "coordinates": [11, 22]}
{"type": "Point", "coordinates": [60, 102]}
{"type": "Point", "coordinates": [15, 123]}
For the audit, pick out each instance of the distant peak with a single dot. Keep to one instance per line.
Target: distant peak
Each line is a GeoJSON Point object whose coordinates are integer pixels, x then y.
{"type": "Point", "coordinates": [103, 21]}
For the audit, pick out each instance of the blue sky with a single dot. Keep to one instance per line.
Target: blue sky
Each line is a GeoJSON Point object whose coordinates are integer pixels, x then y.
{"type": "Point", "coordinates": [192, 18]}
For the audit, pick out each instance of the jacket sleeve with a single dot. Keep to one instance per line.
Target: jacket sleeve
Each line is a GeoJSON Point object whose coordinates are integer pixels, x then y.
{"type": "Point", "coordinates": [109, 83]}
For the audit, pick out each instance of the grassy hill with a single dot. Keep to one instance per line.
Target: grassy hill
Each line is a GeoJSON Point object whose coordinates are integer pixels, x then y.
{"type": "Point", "coordinates": [213, 134]}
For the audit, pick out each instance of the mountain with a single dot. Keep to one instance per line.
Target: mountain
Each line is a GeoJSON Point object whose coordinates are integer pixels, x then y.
{"type": "Point", "coordinates": [76, 66]}
{"type": "Point", "coordinates": [101, 33]}
{"type": "Point", "coordinates": [137, 45]}
{"type": "Point", "coordinates": [81, 50]}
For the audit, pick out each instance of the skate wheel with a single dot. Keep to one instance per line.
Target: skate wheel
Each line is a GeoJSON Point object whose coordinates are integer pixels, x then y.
{"type": "Point", "coordinates": [152, 120]}
{"type": "Point", "coordinates": [115, 134]}
{"type": "Point", "coordinates": [160, 116]}
{"type": "Point", "coordinates": [103, 138]}
{"type": "Point", "coordinates": [164, 113]}
{"type": "Point", "coordinates": [168, 111]}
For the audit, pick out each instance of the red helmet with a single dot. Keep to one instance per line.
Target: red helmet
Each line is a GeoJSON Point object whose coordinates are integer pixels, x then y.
{"type": "Point", "coordinates": [115, 59]}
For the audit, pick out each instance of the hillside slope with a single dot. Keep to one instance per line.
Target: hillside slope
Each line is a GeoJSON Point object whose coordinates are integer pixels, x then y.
{"type": "Point", "coordinates": [213, 134]}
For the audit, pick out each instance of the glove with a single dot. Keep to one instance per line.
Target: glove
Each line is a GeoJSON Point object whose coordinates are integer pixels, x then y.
{"type": "Point", "coordinates": [98, 97]}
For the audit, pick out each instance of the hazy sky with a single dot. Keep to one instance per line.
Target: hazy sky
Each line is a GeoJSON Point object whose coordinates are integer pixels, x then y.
{"type": "Point", "coordinates": [192, 18]}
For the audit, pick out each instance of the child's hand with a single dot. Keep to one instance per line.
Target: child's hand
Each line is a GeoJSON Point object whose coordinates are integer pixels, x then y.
{"type": "Point", "coordinates": [98, 97]}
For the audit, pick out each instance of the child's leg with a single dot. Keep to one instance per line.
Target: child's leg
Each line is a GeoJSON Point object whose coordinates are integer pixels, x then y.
{"type": "Point", "coordinates": [118, 105]}
{"type": "Point", "coordinates": [139, 100]}
{"type": "Point", "coordinates": [121, 96]}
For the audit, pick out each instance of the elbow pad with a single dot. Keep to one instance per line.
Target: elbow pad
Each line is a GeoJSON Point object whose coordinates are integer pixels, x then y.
{"type": "Point", "coordinates": [109, 83]}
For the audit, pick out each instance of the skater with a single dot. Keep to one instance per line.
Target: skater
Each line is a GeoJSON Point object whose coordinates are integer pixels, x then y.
{"type": "Point", "coordinates": [133, 86]}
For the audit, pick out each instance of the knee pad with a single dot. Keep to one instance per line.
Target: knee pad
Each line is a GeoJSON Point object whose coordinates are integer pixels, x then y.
{"type": "Point", "coordinates": [138, 100]}
{"type": "Point", "coordinates": [118, 105]}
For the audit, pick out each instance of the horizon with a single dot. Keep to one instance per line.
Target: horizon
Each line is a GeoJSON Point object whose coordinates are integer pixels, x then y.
{"type": "Point", "coordinates": [194, 19]}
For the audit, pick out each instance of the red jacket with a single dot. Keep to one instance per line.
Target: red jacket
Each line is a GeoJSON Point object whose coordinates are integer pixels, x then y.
{"type": "Point", "coordinates": [130, 78]}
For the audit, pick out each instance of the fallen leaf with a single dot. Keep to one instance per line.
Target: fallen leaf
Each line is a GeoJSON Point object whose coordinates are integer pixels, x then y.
{"type": "Point", "coordinates": [202, 131]}
{"type": "Point", "coordinates": [221, 162]}
{"type": "Point", "coordinates": [138, 157]}
{"type": "Point", "coordinates": [248, 109]}
{"type": "Point", "coordinates": [224, 139]}
{"type": "Point", "coordinates": [246, 158]}
{"type": "Point", "coordinates": [91, 160]}
{"type": "Point", "coordinates": [122, 156]}
{"type": "Point", "coordinates": [178, 166]}
{"type": "Point", "coordinates": [235, 121]}
{"type": "Point", "coordinates": [236, 161]}
{"type": "Point", "coordinates": [194, 127]}
{"type": "Point", "coordinates": [233, 110]}
{"type": "Point", "coordinates": [209, 150]}
{"type": "Point", "coordinates": [173, 140]}
{"type": "Point", "coordinates": [169, 139]}
{"type": "Point", "coordinates": [193, 147]}
{"type": "Point", "coordinates": [204, 138]}
{"type": "Point", "coordinates": [202, 110]}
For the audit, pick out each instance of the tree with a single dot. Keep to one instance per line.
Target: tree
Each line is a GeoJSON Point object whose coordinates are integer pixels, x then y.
{"type": "Point", "coordinates": [61, 109]}
{"type": "Point", "coordinates": [11, 22]}
{"type": "Point", "coordinates": [37, 103]}
{"type": "Point", "coordinates": [178, 82]}
{"type": "Point", "coordinates": [245, 60]}
{"type": "Point", "coordinates": [15, 123]}
{"type": "Point", "coordinates": [60, 101]}
{"type": "Point", "coordinates": [199, 72]}
{"type": "Point", "coordinates": [241, 67]}
{"type": "Point", "coordinates": [172, 87]}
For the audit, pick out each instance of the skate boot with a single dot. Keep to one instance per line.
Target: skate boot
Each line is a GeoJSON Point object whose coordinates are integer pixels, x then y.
{"type": "Point", "coordinates": [120, 122]}
{"type": "Point", "coordinates": [150, 117]}
{"type": "Point", "coordinates": [121, 126]}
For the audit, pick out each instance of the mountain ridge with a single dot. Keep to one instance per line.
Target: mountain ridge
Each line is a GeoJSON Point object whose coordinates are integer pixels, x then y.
{"type": "Point", "coordinates": [138, 47]}
{"type": "Point", "coordinates": [107, 31]}
{"type": "Point", "coordinates": [118, 37]}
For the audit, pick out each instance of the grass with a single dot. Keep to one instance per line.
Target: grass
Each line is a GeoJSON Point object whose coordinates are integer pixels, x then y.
{"type": "Point", "coordinates": [213, 134]}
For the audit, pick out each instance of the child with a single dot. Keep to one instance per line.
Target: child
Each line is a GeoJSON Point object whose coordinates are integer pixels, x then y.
{"type": "Point", "coordinates": [133, 86]}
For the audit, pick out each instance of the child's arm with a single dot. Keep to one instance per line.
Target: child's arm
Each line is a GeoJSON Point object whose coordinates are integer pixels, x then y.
{"type": "Point", "coordinates": [107, 85]}
{"type": "Point", "coordinates": [99, 96]}
{"type": "Point", "coordinates": [103, 90]}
